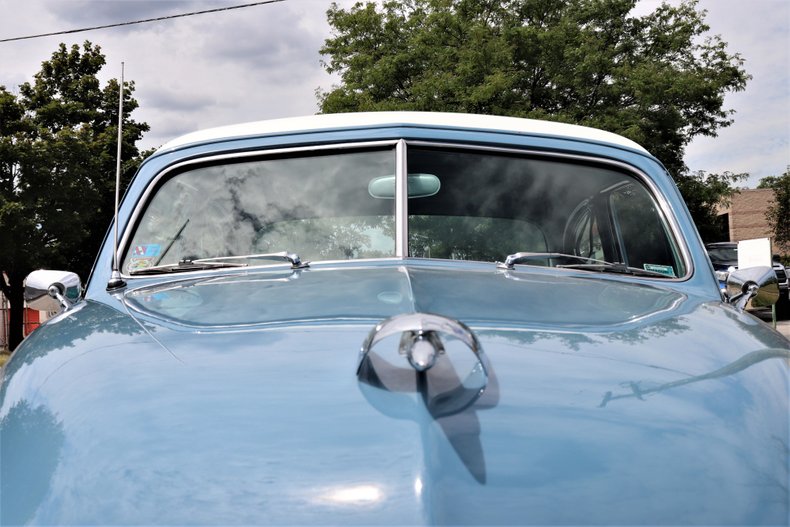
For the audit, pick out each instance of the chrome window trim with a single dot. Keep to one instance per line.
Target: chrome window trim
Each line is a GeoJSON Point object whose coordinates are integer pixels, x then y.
{"type": "Point", "coordinates": [401, 201]}
{"type": "Point", "coordinates": [401, 169]}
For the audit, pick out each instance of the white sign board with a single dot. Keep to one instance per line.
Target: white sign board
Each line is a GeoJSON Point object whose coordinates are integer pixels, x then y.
{"type": "Point", "coordinates": [754, 253]}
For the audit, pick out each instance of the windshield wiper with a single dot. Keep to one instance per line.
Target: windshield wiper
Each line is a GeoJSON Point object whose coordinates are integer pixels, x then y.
{"type": "Point", "coordinates": [587, 264]}
{"type": "Point", "coordinates": [172, 241]}
{"type": "Point", "coordinates": [219, 262]}
{"type": "Point", "coordinates": [609, 267]}
{"type": "Point", "coordinates": [183, 266]}
{"type": "Point", "coordinates": [512, 259]}
{"type": "Point", "coordinates": [293, 258]}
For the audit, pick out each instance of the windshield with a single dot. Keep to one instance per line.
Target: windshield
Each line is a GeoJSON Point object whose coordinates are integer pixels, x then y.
{"type": "Point", "coordinates": [463, 204]}
{"type": "Point", "coordinates": [316, 206]}
{"type": "Point", "coordinates": [492, 205]}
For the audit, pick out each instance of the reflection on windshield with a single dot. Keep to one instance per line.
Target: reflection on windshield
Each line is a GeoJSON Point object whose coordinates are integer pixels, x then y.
{"type": "Point", "coordinates": [480, 206]}
{"type": "Point", "coordinates": [316, 206]}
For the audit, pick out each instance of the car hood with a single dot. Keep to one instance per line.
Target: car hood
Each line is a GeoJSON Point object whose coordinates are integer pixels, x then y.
{"type": "Point", "coordinates": [339, 295]}
{"type": "Point", "coordinates": [238, 400]}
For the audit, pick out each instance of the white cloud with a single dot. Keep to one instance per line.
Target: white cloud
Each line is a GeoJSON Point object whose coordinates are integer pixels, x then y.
{"type": "Point", "coordinates": [207, 70]}
{"type": "Point", "coordinates": [759, 140]}
{"type": "Point", "coordinates": [263, 62]}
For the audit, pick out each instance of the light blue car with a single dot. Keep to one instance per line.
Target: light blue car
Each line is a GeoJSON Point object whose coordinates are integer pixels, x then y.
{"type": "Point", "coordinates": [405, 319]}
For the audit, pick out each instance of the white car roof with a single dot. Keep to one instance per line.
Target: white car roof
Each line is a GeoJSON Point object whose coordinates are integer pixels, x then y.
{"type": "Point", "coordinates": [376, 119]}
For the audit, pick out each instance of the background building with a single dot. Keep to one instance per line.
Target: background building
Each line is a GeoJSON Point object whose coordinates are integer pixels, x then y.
{"type": "Point", "coordinates": [745, 218]}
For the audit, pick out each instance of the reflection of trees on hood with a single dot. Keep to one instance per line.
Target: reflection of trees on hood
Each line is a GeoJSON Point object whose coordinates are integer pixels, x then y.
{"type": "Point", "coordinates": [649, 332]}
{"type": "Point", "coordinates": [91, 319]}
{"type": "Point", "coordinates": [575, 341]}
{"type": "Point", "coordinates": [32, 440]}
{"type": "Point", "coordinates": [637, 332]}
{"type": "Point", "coordinates": [570, 341]}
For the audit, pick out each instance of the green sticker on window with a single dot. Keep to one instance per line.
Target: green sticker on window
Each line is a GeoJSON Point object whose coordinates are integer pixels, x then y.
{"type": "Point", "coordinates": [666, 270]}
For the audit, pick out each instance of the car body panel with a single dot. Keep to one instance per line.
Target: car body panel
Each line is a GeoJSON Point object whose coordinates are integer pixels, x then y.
{"type": "Point", "coordinates": [122, 408]}
{"type": "Point", "coordinates": [241, 396]}
{"type": "Point", "coordinates": [378, 290]}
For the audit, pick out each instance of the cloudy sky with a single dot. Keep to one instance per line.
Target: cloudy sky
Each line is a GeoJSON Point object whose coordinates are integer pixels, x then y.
{"type": "Point", "coordinates": [262, 62]}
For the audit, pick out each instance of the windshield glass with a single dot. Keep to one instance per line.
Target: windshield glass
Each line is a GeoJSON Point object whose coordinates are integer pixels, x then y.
{"type": "Point", "coordinates": [492, 205]}
{"type": "Point", "coordinates": [316, 206]}
{"type": "Point", "coordinates": [463, 204]}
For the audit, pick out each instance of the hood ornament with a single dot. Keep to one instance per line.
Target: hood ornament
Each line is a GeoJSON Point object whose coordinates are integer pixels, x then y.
{"type": "Point", "coordinates": [420, 341]}
{"type": "Point", "coordinates": [421, 348]}
{"type": "Point", "coordinates": [450, 388]}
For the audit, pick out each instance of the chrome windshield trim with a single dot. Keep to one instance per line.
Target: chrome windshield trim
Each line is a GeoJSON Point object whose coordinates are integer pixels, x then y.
{"type": "Point", "coordinates": [401, 205]}
{"type": "Point", "coordinates": [641, 176]}
{"type": "Point", "coordinates": [401, 201]}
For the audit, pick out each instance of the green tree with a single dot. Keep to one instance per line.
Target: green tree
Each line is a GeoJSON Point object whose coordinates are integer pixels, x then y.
{"type": "Point", "coordinates": [778, 213]}
{"type": "Point", "coordinates": [658, 79]}
{"type": "Point", "coordinates": [58, 141]}
{"type": "Point", "coordinates": [705, 194]}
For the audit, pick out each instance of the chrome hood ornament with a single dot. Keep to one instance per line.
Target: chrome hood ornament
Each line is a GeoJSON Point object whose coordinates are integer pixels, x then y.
{"type": "Point", "coordinates": [448, 400]}
{"type": "Point", "coordinates": [420, 341]}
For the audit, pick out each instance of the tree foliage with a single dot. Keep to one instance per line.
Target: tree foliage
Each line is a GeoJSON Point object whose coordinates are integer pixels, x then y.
{"type": "Point", "coordinates": [658, 79]}
{"type": "Point", "coordinates": [58, 142]}
{"type": "Point", "coordinates": [705, 194]}
{"type": "Point", "coordinates": [778, 213]}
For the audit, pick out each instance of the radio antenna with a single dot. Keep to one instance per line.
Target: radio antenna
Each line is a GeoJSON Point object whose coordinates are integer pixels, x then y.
{"type": "Point", "coordinates": [115, 278]}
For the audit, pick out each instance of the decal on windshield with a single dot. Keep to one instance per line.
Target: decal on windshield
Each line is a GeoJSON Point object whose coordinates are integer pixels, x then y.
{"type": "Point", "coordinates": [143, 256]}
{"type": "Point", "coordinates": [138, 263]}
{"type": "Point", "coordinates": [146, 250]}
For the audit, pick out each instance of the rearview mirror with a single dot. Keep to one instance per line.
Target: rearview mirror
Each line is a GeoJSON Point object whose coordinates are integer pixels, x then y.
{"type": "Point", "coordinates": [419, 186]}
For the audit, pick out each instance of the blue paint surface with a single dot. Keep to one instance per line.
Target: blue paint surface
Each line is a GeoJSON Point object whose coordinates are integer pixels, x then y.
{"type": "Point", "coordinates": [232, 397]}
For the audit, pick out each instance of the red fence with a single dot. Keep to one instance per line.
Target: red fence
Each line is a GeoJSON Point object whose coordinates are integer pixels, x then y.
{"type": "Point", "coordinates": [31, 320]}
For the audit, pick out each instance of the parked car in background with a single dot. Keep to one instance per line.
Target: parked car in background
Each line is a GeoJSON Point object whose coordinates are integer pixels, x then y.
{"type": "Point", "coordinates": [724, 257]}
{"type": "Point", "coordinates": [399, 318]}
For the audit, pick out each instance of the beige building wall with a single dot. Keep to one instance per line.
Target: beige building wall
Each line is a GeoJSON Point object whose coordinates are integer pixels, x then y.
{"type": "Point", "coordinates": [747, 214]}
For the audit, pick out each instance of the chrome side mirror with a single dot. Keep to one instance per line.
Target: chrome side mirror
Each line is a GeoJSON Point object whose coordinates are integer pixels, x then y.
{"type": "Point", "coordinates": [52, 290]}
{"type": "Point", "coordinates": [752, 287]}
